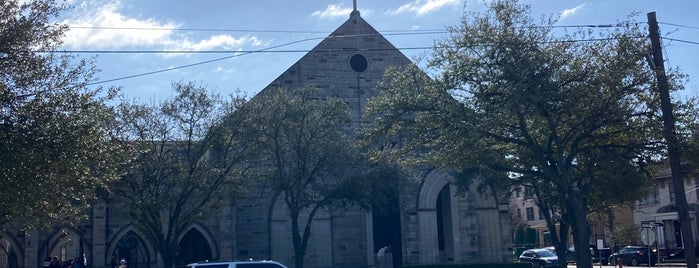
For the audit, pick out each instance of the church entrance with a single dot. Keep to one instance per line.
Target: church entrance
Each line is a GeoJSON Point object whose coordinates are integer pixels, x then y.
{"type": "Point", "coordinates": [193, 248]}
{"type": "Point", "coordinates": [132, 251]}
{"type": "Point", "coordinates": [387, 228]}
{"type": "Point", "coordinates": [445, 230]}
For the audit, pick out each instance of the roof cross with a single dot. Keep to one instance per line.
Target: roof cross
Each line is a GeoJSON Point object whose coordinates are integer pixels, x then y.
{"type": "Point", "coordinates": [355, 4]}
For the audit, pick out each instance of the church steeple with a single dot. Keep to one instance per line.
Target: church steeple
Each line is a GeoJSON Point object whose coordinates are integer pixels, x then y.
{"type": "Point", "coordinates": [355, 12]}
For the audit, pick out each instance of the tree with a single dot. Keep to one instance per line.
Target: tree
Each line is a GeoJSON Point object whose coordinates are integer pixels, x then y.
{"type": "Point", "coordinates": [305, 153]}
{"type": "Point", "coordinates": [56, 134]}
{"type": "Point", "coordinates": [187, 162]}
{"type": "Point", "coordinates": [627, 234]}
{"type": "Point", "coordinates": [515, 103]}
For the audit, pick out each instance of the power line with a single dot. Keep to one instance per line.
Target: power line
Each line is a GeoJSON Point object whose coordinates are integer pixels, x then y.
{"type": "Point", "coordinates": [221, 51]}
{"type": "Point", "coordinates": [231, 30]}
{"type": "Point", "coordinates": [270, 50]}
{"type": "Point", "coordinates": [680, 40]}
{"type": "Point", "coordinates": [679, 25]}
{"type": "Point", "coordinates": [189, 29]}
{"type": "Point", "coordinates": [323, 32]}
{"type": "Point", "coordinates": [195, 64]}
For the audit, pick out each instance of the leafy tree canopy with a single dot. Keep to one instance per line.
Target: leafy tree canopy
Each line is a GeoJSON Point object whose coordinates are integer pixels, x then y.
{"type": "Point", "coordinates": [187, 163]}
{"type": "Point", "coordinates": [56, 146]}
{"type": "Point", "coordinates": [572, 115]}
{"type": "Point", "coordinates": [306, 154]}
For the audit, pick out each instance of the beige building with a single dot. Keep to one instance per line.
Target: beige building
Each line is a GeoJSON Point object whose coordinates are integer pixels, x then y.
{"type": "Point", "coordinates": [659, 207]}
{"type": "Point", "coordinates": [531, 229]}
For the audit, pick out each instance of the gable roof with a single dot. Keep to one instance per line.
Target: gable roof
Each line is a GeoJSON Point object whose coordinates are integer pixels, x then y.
{"type": "Point", "coordinates": [328, 65]}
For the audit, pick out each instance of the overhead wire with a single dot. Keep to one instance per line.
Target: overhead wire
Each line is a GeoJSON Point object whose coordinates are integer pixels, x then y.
{"type": "Point", "coordinates": [271, 49]}
{"type": "Point", "coordinates": [216, 59]}
{"type": "Point", "coordinates": [679, 25]}
{"type": "Point", "coordinates": [195, 64]}
{"type": "Point", "coordinates": [618, 25]}
{"type": "Point", "coordinates": [680, 40]}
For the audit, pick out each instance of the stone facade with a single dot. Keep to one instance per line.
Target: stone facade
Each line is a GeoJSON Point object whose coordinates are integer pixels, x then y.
{"type": "Point", "coordinates": [434, 223]}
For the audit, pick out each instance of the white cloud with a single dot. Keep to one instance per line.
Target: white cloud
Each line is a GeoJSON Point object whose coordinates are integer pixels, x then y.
{"type": "Point", "coordinates": [422, 7]}
{"type": "Point", "coordinates": [222, 41]}
{"type": "Point", "coordinates": [107, 16]}
{"type": "Point", "coordinates": [572, 11]}
{"type": "Point", "coordinates": [332, 11]}
{"type": "Point", "coordinates": [89, 31]}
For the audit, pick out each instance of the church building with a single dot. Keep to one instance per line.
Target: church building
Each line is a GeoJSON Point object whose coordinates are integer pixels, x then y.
{"type": "Point", "coordinates": [431, 222]}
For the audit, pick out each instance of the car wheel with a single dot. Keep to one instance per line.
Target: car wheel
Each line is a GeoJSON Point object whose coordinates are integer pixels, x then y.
{"type": "Point", "coordinates": [634, 262]}
{"type": "Point", "coordinates": [605, 262]}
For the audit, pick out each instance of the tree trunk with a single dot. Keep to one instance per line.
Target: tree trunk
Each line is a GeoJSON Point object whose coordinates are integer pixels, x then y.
{"type": "Point", "coordinates": [299, 249]}
{"type": "Point", "coordinates": [168, 256]}
{"type": "Point", "coordinates": [581, 231]}
{"type": "Point", "coordinates": [610, 222]}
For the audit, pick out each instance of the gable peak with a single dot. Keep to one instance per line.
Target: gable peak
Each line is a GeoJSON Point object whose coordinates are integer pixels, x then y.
{"type": "Point", "coordinates": [355, 12]}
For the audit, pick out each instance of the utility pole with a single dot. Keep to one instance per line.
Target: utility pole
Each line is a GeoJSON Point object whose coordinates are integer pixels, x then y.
{"type": "Point", "coordinates": [672, 143]}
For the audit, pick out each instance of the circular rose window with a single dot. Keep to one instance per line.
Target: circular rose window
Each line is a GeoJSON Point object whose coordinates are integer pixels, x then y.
{"type": "Point", "coordinates": [358, 63]}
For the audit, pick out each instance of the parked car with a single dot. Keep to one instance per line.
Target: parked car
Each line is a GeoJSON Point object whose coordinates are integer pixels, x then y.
{"type": "Point", "coordinates": [675, 253]}
{"type": "Point", "coordinates": [633, 255]}
{"type": "Point", "coordinates": [237, 264]}
{"type": "Point", "coordinates": [540, 258]}
{"type": "Point", "coordinates": [598, 255]}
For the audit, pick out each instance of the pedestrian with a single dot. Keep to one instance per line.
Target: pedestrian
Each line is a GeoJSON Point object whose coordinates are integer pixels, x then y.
{"type": "Point", "coordinates": [122, 263]}
{"type": "Point", "coordinates": [47, 262]}
{"type": "Point", "coordinates": [382, 256]}
{"type": "Point", "coordinates": [77, 263]}
{"type": "Point", "coordinates": [55, 263]}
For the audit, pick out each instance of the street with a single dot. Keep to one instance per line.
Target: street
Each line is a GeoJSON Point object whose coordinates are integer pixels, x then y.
{"type": "Point", "coordinates": [597, 265]}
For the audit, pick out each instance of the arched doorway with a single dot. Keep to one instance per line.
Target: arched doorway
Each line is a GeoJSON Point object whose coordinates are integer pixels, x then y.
{"type": "Point", "coordinates": [66, 244]}
{"type": "Point", "coordinates": [445, 230]}
{"type": "Point", "coordinates": [131, 249]}
{"type": "Point", "coordinates": [387, 225]}
{"type": "Point", "coordinates": [438, 220]}
{"type": "Point", "coordinates": [8, 256]}
{"type": "Point", "coordinates": [193, 247]}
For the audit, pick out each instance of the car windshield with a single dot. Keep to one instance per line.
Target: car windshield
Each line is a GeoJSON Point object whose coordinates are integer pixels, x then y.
{"type": "Point", "coordinates": [546, 253]}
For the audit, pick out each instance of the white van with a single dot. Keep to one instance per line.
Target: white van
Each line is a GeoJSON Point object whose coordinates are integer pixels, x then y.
{"type": "Point", "coordinates": [237, 264]}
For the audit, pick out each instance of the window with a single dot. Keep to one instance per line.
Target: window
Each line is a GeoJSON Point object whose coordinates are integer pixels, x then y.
{"type": "Point", "coordinates": [671, 189]}
{"type": "Point", "coordinates": [530, 214]}
{"type": "Point", "coordinates": [258, 265]}
{"type": "Point", "coordinates": [541, 214]}
{"type": "Point", "coordinates": [358, 63]}
{"type": "Point", "coordinates": [517, 192]}
{"type": "Point", "coordinates": [528, 193]}
{"type": "Point", "coordinates": [519, 213]}
{"type": "Point", "coordinates": [211, 266]}
{"type": "Point", "coordinates": [652, 198]}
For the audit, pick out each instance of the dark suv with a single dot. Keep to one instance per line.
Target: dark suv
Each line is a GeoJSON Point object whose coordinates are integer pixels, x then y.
{"type": "Point", "coordinates": [633, 255]}
{"type": "Point", "coordinates": [539, 258]}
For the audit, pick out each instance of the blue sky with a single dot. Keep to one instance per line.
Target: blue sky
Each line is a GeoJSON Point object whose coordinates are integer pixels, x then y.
{"type": "Point", "coordinates": [296, 26]}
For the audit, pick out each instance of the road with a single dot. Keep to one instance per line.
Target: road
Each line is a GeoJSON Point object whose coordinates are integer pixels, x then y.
{"type": "Point", "coordinates": [674, 265]}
